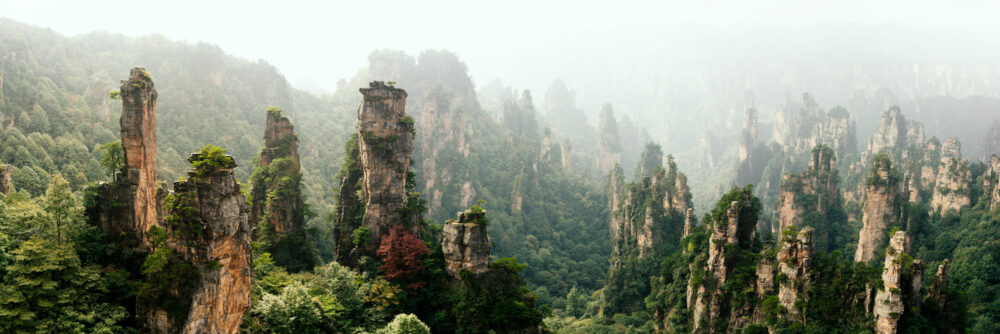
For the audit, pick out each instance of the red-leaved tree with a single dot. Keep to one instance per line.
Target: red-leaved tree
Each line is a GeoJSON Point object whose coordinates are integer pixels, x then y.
{"type": "Point", "coordinates": [402, 255]}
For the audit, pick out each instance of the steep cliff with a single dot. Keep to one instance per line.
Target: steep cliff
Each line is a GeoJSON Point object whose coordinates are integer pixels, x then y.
{"type": "Point", "coordinates": [205, 241]}
{"type": "Point", "coordinates": [888, 306]}
{"type": "Point", "coordinates": [609, 147]}
{"type": "Point", "coordinates": [991, 183]}
{"type": "Point", "coordinates": [465, 243]}
{"type": "Point", "coordinates": [385, 143]}
{"type": "Point", "coordinates": [277, 208]}
{"type": "Point", "coordinates": [813, 198]}
{"type": "Point", "coordinates": [6, 184]}
{"type": "Point", "coordinates": [131, 202]}
{"type": "Point", "coordinates": [991, 142]}
{"type": "Point", "coordinates": [794, 266]}
{"type": "Point", "coordinates": [350, 209]}
{"type": "Point", "coordinates": [647, 220]}
{"type": "Point", "coordinates": [881, 207]}
{"type": "Point", "coordinates": [951, 186]}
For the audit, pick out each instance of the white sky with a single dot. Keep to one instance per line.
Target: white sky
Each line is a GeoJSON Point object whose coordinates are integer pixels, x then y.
{"type": "Point", "coordinates": [523, 42]}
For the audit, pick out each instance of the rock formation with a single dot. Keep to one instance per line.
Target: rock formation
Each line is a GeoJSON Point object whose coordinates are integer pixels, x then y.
{"type": "Point", "coordinates": [991, 142]}
{"type": "Point", "coordinates": [135, 191]}
{"type": "Point", "coordinates": [894, 133]}
{"type": "Point", "coordinates": [385, 138]}
{"type": "Point", "coordinates": [991, 183]}
{"type": "Point", "coordinates": [6, 184]}
{"type": "Point", "coordinates": [466, 243]}
{"type": "Point", "coordinates": [649, 161]}
{"type": "Point", "coordinates": [881, 208]}
{"type": "Point", "coordinates": [794, 263]}
{"type": "Point", "coordinates": [749, 167]}
{"type": "Point", "coordinates": [207, 226]}
{"type": "Point", "coordinates": [711, 301]}
{"type": "Point", "coordinates": [609, 147]}
{"type": "Point", "coordinates": [819, 182]}
{"type": "Point", "coordinates": [277, 209]}
{"type": "Point", "coordinates": [800, 128]}
{"type": "Point", "coordinates": [888, 306]}
{"type": "Point", "coordinates": [350, 209]}
{"type": "Point", "coordinates": [937, 294]}
{"type": "Point", "coordinates": [951, 189]}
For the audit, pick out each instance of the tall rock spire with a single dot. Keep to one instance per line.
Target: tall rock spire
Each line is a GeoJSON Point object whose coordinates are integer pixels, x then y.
{"type": "Point", "coordinates": [880, 207]}
{"type": "Point", "coordinates": [385, 136]}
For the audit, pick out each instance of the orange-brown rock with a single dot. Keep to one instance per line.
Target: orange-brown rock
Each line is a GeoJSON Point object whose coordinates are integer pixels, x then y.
{"type": "Point", "coordinates": [795, 264]}
{"type": "Point", "coordinates": [465, 243]}
{"type": "Point", "coordinates": [881, 207]}
{"type": "Point", "coordinates": [888, 305]}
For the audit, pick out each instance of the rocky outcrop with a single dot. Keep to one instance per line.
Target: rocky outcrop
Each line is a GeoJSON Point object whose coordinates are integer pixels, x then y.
{"type": "Point", "coordinates": [951, 186]}
{"type": "Point", "coordinates": [6, 184]}
{"type": "Point", "coordinates": [815, 190]}
{"type": "Point", "coordinates": [277, 208]}
{"type": "Point", "coordinates": [750, 167]}
{"type": "Point", "coordinates": [616, 194]}
{"type": "Point", "coordinates": [893, 134]}
{"type": "Point", "coordinates": [794, 264]}
{"type": "Point", "coordinates": [132, 200]}
{"type": "Point", "coordinates": [207, 227]}
{"type": "Point", "coordinates": [888, 306]}
{"type": "Point", "coordinates": [466, 243]}
{"type": "Point", "coordinates": [711, 301]}
{"type": "Point", "coordinates": [881, 208]}
{"type": "Point", "coordinates": [991, 183]}
{"type": "Point", "coordinates": [991, 142]}
{"type": "Point", "coordinates": [385, 138]}
{"type": "Point", "coordinates": [609, 147]}
{"type": "Point", "coordinates": [937, 294]}
{"type": "Point", "coordinates": [650, 160]}
{"type": "Point", "coordinates": [350, 209]}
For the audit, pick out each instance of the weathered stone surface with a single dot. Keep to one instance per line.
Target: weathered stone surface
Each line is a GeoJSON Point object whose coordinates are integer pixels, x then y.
{"type": "Point", "coordinates": [880, 208]}
{"type": "Point", "coordinates": [350, 209]}
{"type": "Point", "coordinates": [888, 306]}
{"type": "Point", "coordinates": [951, 187]}
{"type": "Point", "coordinates": [819, 181]}
{"type": "Point", "coordinates": [221, 252]}
{"type": "Point", "coordinates": [795, 262]}
{"type": "Point", "coordinates": [938, 291]}
{"type": "Point", "coordinates": [466, 244]}
{"type": "Point", "coordinates": [6, 184]}
{"type": "Point", "coordinates": [688, 222]}
{"type": "Point", "coordinates": [385, 144]}
{"type": "Point", "coordinates": [134, 191]}
{"type": "Point", "coordinates": [765, 272]}
{"type": "Point", "coordinates": [609, 147]}
{"type": "Point", "coordinates": [284, 213]}
{"type": "Point", "coordinates": [709, 303]}
{"type": "Point", "coordinates": [991, 182]}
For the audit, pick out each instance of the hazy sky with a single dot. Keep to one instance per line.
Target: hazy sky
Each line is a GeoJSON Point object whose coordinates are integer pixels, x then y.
{"type": "Point", "coordinates": [527, 43]}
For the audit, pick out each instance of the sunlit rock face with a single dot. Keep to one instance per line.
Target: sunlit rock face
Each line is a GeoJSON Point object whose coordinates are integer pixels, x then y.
{"type": "Point", "coordinates": [220, 252]}
{"type": "Point", "coordinates": [888, 307]}
{"type": "Point", "coordinates": [880, 208]}
{"type": "Point", "coordinates": [385, 139]}
{"type": "Point", "coordinates": [951, 189]}
{"type": "Point", "coordinates": [466, 244]}
{"type": "Point", "coordinates": [134, 191]}
{"type": "Point", "coordinates": [795, 262]}
{"type": "Point", "coordinates": [819, 181]}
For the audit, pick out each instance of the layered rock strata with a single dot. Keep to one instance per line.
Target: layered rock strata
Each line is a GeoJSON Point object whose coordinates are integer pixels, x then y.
{"type": "Point", "coordinates": [466, 244]}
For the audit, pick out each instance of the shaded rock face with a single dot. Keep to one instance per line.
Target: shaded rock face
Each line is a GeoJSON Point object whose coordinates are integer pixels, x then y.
{"type": "Point", "coordinates": [6, 184]}
{"type": "Point", "coordinates": [951, 190]}
{"type": "Point", "coordinates": [444, 128]}
{"type": "Point", "coordinates": [385, 141]}
{"type": "Point", "coordinates": [284, 213]}
{"type": "Point", "coordinates": [991, 142]}
{"type": "Point", "coordinates": [609, 148]}
{"type": "Point", "coordinates": [710, 301]}
{"type": "Point", "coordinates": [133, 202]}
{"type": "Point", "coordinates": [938, 291]}
{"type": "Point", "coordinates": [819, 181]}
{"type": "Point", "coordinates": [888, 306]}
{"type": "Point", "coordinates": [991, 182]}
{"type": "Point", "coordinates": [649, 161]}
{"type": "Point", "coordinates": [350, 209]}
{"type": "Point", "coordinates": [794, 262]}
{"type": "Point", "coordinates": [218, 249]}
{"type": "Point", "coordinates": [880, 209]}
{"type": "Point", "coordinates": [466, 244]}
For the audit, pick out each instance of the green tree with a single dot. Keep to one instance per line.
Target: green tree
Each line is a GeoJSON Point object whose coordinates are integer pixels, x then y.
{"type": "Point", "coordinates": [47, 290]}
{"type": "Point", "coordinates": [113, 157]}
{"type": "Point", "coordinates": [405, 324]}
{"type": "Point", "coordinates": [63, 212]}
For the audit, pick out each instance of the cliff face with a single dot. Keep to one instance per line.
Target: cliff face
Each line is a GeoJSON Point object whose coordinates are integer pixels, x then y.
{"type": "Point", "coordinates": [385, 138]}
{"type": "Point", "coordinates": [711, 302]}
{"type": "Point", "coordinates": [888, 306]}
{"type": "Point", "coordinates": [444, 127]}
{"type": "Point", "coordinates": [132, 199]}
{"type": "Point", "coordinates": [277, 208]}
{"type": "Point", "coordinates": [951, 190]}
{"type": "Point", "coordinates": [800, 128]}
{"type": "Point", "coordinates": [819, 182]}
{"type": "Point", "coordinates": [6, 184]}
{"type": "Point", "coordinates": [208, 228]}
{"type": "Point", "coordinates": [880, 209]}
{"type": "Point", "coordinates": [991, 142]}
{"type": "Point", "coordinates": [350, 210]}
{"type": "Point", "coordinates": [991, 183]}
{"type": "Point", "coordinates": [749, 166]}
{"type": "Point", "coordinates": [794, 262]}
{"type": "Point", "coordinates": [466, 244]}
{"type": "Point", "coordinates": [609, 148]}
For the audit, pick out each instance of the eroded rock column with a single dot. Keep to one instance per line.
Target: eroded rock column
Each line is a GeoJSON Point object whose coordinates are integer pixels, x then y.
{"type": "Point", "coordinates": [466, 243]}
{"type": "Point", "coordinates": [880, 208]}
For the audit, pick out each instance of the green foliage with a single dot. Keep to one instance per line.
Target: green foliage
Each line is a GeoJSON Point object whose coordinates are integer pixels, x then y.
{"type": "Point", "coordinates": [169, 279]}
{"type": "Point", "coordinates": [112, 156]}
{"type": "Point", "coordinates": [361, 236]}
{"type": "Point", "coordinates": [405, 324]}
{"type": "Point", "coordinates": [212, 158]}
